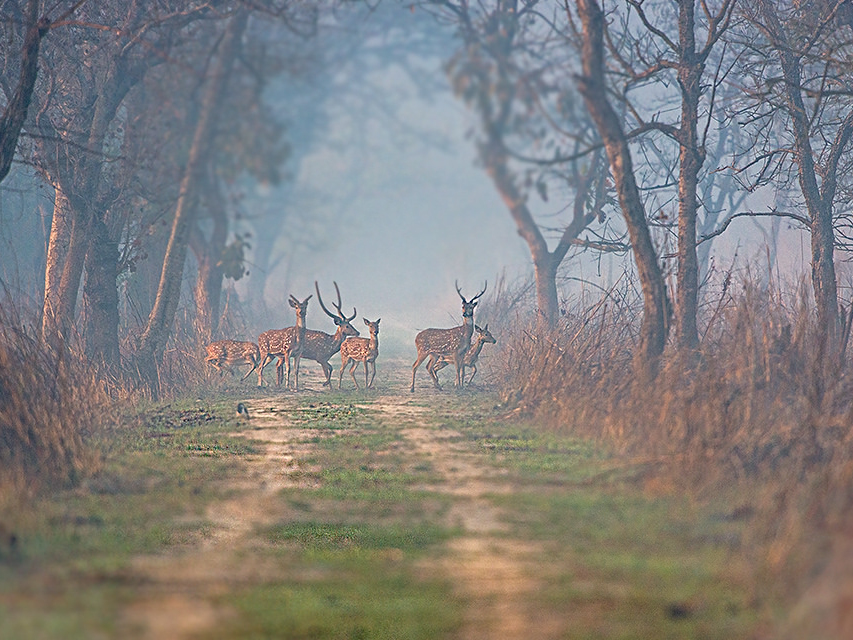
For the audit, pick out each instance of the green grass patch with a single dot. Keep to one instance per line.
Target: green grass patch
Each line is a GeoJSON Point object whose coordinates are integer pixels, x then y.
{"type": "Point", "coordinates": [362, 604]}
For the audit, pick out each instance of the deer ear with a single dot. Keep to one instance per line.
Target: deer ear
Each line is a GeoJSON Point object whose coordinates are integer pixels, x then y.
{"type": "Point", "coordinates": [366, 322]}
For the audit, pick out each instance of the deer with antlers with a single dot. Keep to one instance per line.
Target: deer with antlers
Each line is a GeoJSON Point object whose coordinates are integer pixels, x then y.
{"type": "Point", "coordinates": [447, 343]}
{"type": "Point", "coordinates": [364, 350]}
{"type": "Point", "coordinates": [482, 336]}
{"type": "Point", "coordinates": [223, 354]}
{"type": "Point", "coordinates": [284, 344]}
{"type": "Point", "coordinates": [319, 345]}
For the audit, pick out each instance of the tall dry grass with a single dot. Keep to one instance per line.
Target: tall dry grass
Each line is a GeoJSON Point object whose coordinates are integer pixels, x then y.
{"type": "Point", "coordinates": [49, 401]}
{"type": "Point", "coordinates": [764, 411]}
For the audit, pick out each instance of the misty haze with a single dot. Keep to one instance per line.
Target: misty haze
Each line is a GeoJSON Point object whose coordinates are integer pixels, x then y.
{"type": "Point", "coordinates": [514, 319]}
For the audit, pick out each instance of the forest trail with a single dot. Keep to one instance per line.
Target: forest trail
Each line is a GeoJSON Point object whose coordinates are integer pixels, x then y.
{"type": "Point", "coordinates": [491, 572]}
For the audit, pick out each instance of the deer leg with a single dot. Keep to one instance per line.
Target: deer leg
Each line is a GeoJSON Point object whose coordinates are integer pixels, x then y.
{"type": "Point", "coordinates": [373, 377]}
{"type": "Point", "coordinates": [254, 366]}
{"type": "Point", "coordinates": [352, 373]}
{"type": "Point", "coordinates": [434, 376]}
{"type": "Point", "coordinates": [327, 371]}
{"type": "Point", "coordinates": [344, 361]}
{"type": "Point", "coordinates": [473, 373]}
{"type": "Point", "coordinates": [279, 371]}
{"type": "Point", "coordinates": [421, 358]}
{"type": "Point", "coordinates": [366, 371]}
{"type": "Point", "coordinates": [263, 363]}
{"type": "Point", "coordinates": [296, 360]}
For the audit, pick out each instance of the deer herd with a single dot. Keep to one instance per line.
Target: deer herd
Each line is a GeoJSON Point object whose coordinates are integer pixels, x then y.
{"type": "Point", "coordinates": [457, 346]}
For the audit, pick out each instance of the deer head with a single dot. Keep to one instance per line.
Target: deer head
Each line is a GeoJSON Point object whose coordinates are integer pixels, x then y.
{"type": "Point", "coordinates": [484, 335]}
{"type": "Point", "coordinates": [340, 319]}
{"type": "Point", "coordinates": [300, 307]}
{"type": "Point", "coordinates": [468, 305]}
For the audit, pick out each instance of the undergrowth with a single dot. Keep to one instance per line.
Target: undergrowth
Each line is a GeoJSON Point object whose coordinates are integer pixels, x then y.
{"type": "Point", "coordinates": [765, 405]}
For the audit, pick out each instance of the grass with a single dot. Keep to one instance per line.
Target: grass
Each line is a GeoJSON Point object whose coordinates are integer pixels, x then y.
{"type": "Point", "coordinates": [362, 546]}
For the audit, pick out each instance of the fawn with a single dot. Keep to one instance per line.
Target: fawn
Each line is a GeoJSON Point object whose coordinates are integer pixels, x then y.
{"type": "Point", "coordinates": [284, 344]}
{"type": "Point", "coordinates": [364, 350]}
{"type": "Point", "coordinates": [483, 336]}
{"type": "Point", "coordinates": [319, 345]}
{"type": "Point", "coordinates": [222, 354]}
{"type": "Point", "coordinates": [447, 343]}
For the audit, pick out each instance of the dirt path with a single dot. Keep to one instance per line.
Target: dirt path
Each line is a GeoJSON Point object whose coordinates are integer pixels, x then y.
{"type": "Point", "coordinates": [176, 604]}
{"type": "Point", "coordinates": [492, 573]}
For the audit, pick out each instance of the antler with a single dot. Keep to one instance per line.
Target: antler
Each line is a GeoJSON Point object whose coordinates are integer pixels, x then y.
{"type": "Point", "coordinates": [338, 306]}
{"type": "Point", "coordinates": [320, 300]}
{"type": "Point", "coordinates": [464, 301]}
{"type": "Point", "coordinates": [459, 291]}
{"type": "Point", "coordinates": [340, 313]}
{"type": "Point", "coordinates": [482, 292]}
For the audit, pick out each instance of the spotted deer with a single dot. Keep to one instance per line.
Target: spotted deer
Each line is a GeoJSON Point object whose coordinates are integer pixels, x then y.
{"type": "Point", "coordinates": [364, 350]}
{"type": "Point", "coordinates": [482, 336]}
{"type": "Point", "coordinates": [319, 345]}
{"type": "Point", "coordinates": [447, 343]}
{"type": "Point", "coordinates": [222, 354]}
{"type": "Point", "coordinates": [284, 344]}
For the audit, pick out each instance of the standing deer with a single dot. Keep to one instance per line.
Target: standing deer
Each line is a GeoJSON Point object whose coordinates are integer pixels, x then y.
{"type": "Point", "coordinates": [357, 350]}
{"type": "Point", "coordinates": [483, 336]}
{"type": "Point", "coordinates": [284, 344]}
{"type": "Point", "coordinates": [447, 343]}
{"type": "Point", "coordinates": [319, 345]}
{"type": "Point", "coordinates": [225, 353]}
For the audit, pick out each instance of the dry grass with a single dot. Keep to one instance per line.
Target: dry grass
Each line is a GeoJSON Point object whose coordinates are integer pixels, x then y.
{"type": "Point", "coordinates": [51, 400]}
{"type": "Point", "coordinates": [765, 411]}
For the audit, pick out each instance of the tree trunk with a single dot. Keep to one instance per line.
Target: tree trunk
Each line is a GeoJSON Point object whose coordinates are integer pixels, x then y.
{"type": "Point", "coordinates": [12, 120]}
{"type": "Point", "coordinates": [545, 263]}
{"type": "Point", "coordinates": [654, 326]}
{"type": "Point", "coordinates": [57, 250]}
{"type": "Point", "coordinates": [819, 205]}
{"type": "Point", "coordinates": [690, 162]}
{"type": "Point", "coordinates": [153, 341]}
{"type": "Point", "coordinates": [100, 295]}
{"type": "Point", "coordinates": [208, 253]}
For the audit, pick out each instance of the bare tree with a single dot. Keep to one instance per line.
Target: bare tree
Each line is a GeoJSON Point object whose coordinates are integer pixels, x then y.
{"type": "Point", "coordinates": [505, 71]}
{"type": "Point", "coordinates": [592, 86]}
{"type": "Point", "coordinates": [801, 89]}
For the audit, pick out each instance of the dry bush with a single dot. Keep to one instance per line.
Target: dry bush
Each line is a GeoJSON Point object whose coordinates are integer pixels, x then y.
{"type": "Point", "coordinates": [50, 401]}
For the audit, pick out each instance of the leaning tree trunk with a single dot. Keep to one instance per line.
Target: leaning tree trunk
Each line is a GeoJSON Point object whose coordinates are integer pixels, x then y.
{"type": "Point", "coordinates": [654, 326]}
{"type": "Point", "coordinates": [57, 250]}
{"type": "Point", "coordinates": [158, 328]}
{"type": "Point", "coordinates": [208, 254]}
{"type": "Point", "coordinates": [12, 120]}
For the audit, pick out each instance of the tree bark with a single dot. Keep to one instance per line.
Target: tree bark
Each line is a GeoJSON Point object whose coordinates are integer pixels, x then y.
{"type": "Point", "coordinates": [57, 250]}
{"type": "Point", "coordinates": [156, 334]}
{"type": "Point", "coordinates": [208, 253]}
{"type": "Point", "coordinates": [100, 296]}
{"type": "Point", "coordinates": [691, 158]}
{"type": "Point", "coordinates": [12, 120]}
{"type": "Point", "coordinates": [654, 326]}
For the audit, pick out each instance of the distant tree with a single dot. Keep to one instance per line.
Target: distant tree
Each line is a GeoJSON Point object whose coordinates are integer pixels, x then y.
{"type": "Point", "coordinates": [799, 93]}
{"type": "Point", "coordinates": [507, 73]}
